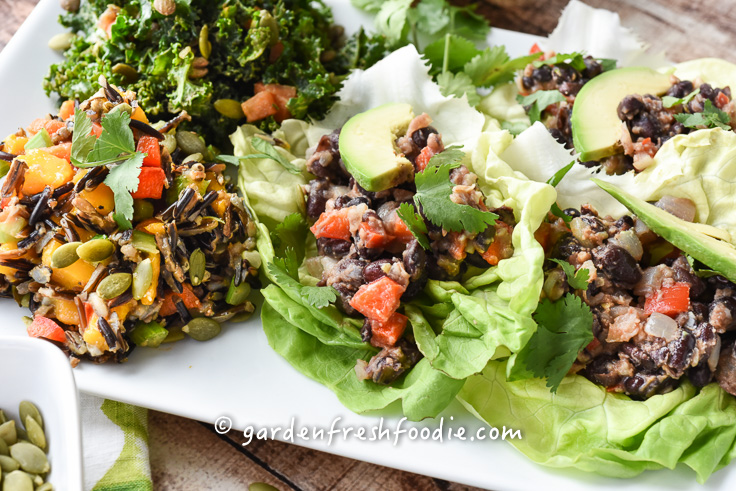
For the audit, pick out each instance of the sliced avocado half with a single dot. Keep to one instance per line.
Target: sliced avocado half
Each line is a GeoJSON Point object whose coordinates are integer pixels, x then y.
{"type": "Point", "coordinates": [718, 255]}
{"type": "Point", "coordinates": [368, 148]}
{"type": "Point", "coordinates": [596, 129]}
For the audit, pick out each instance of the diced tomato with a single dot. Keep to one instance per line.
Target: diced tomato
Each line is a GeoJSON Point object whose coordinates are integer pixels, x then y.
{"type": "Point", "coordinates": [385, 334]}
{"type": "Point", "coordinates": [373, 237]}
{"type": "Point", "coordinates": [457, 246]}
{"type": "Point", "coordinates": [96, 129]}
{"type": "Point", "coordinates": [669, 300]}
{"type": "Point", "coordinates": [593, 344]}
{"type": "Point", "coordinates": [721, 100]}
{"type": "Point", "coordinates": [62, 150]}
{"type": "Point", "coordinates": [501, 247]}
{"type": "Point", "coordinates": [423, 158]}
{"type": "Point", "coordinates": [379, 299]}
{"type": "Point", "coordinates": [150, 145]}
{"type": "Point", "coordinates": [281, 94]}
{"type": "Point", "coordinates": [333, 225]}
{"type": "Point", "coordinates": [260, 106]}
{"type": "Point", "coordinates": [187, 296]}
{"type": "Point", "coordinates": [66, 111]}
{"type": "Point", "coordinates": [43, 327]}
{"type": "Point", "coordinates": [150, 183]}
{"type": "Point", "coordinates": [535, 49]}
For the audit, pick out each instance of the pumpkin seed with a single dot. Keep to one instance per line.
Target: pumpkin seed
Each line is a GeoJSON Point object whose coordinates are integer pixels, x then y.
{"type": "Point", "coordinates": [4, 450]}
{"type": "Point", "coordinates": [27, 408]}
{"type": "Point", "coordinates": [70, 5]}
{"type": "Point", "coordinates": [142, 209]}
{"type": "Point", "coordinates": [261, 486]}
{"type": "Point", "coordinates": [37, 480]}
{"type": "Point", "coordinates": [175, 334]}
{"type": "Point", "coordinates": [45, 487]}
{"type": "Point", "coordinates": [96, 250]}
{"type": "Point", "coordinates": [197, 262]}
{"type": "Point", "coordinates": [8, 433]}
{"type": "Point", "coordinates": [123, 107]}
{"type": "Point", "coordinates": [169, 143]}
{"type": "Point", "coordinates": [18, 481]}
{"type": "Point", "coordinates": [21, 433]}
{"type": "Point", "coordinates": [8, 464]}
{"type": "Point", "coordinates": [126, 72]}
{"type": "Point", "coordinates": [267, 20]}
{"type": "Point", "coordinates": [30, 457]}
{"type": "Point", "coordinates": [202, 328]}
{"type": "Point", "coordinates": [190, 143]}
{"type": "Point", "coordinates": [230, 108]}
{"type": "Point", "coordinates": [62, 41]}
{"type": "Point", "coordinates": [195, 157]}
{"type": "Point", "coordinates": [35, 433]}
{"type": "Point", "coordinates": [142, 278]}
{"type": "Point", "coordinates": [65, 255]}
{"type": "Point", "coordinates": [205, 46]}
{"type": "Point", "coordinates": [114, 285]}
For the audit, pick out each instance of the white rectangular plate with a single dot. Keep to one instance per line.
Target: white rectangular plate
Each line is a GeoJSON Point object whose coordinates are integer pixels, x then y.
{"type": "Point", "coordinates": [239, 376]}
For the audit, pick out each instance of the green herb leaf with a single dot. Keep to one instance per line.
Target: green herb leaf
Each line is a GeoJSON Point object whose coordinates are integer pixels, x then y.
{"type": "Point", "coordinates": [82, 140]}
{"type": "Point", "coordinates": [292, 232]}
{"type": "Point", "coordinates": [391, 20]}
{"type": "Point", "coordinates": [230, 159]}
{"type": "Point", "coordinates": [711, 117]}
{"type": "Point", "coordinates": [266, 151]}
{"type": "Point", "coordinates": [539, 101]}
{"type": "Point", "coordinates": [564, 328]}
{"type": "Point", "coordinates": [116, 139]}
{"type": "Point", "coordinates": [451, 156]}
{"type": "Point", "coordinates": [414, 222]}
{"type": "Point", "coordinates": [123, 180]}
{"type": "Point", "coordinates": [319, 296]}
{"type": "Point", "coordinates": [698, 268]}
{"type": "Point", "coordinates": [493, 66]}
{"type": "Point", "coordinates": [433, 196]}
{"type": "Point", "coordinates": [514, 128]}
{"type": "Point", "coordinates": [607, 64]}
{"type": "Point", "coordinates": [288, 264]}
{"type": "Point", "coordinates": [669, 101]}
{"type": "Point", "coordinates": [557, 178]}
{"type": "Point", "coordinates": [578, 280]}
{"type": "Point", "coordinates": [575, 59]}
{"type": "Point", "coordinates": [460, 51]}
{"type": "Point", "coordinates": [458, 84]}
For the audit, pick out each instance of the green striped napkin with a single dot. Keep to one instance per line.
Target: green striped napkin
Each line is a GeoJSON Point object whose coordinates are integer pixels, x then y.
{"type": "Point", "coordinates": [115, 441]}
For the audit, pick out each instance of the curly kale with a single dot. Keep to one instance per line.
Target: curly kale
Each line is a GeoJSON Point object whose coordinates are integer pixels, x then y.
{"type": "Point", "coordinates": [288, 42]}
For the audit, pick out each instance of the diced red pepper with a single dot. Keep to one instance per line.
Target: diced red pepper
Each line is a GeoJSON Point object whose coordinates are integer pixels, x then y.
{"type": "Point", "coordinates": [373, 237]}
{"type": "Point", "coordinates": [457, 246]}
{"type": "Point", "coordinates": [332, 225]}
{"type": "Point", "coordinates": [423, 158]}
{"type": "Point", "coordinates": [43, 327]}
{"type": "Point", "coordinates": [150, 146]}
{"type": "Point", "coordinates": [188, 297]}
{"type": "Point", "coordinates": [535, 49]}
{"type": "Point", "coordinates": [721, 100]}
{"type": "Point", "coordinates": [669, 300]}
{"type": "Point", "coordinates": [379, 299]}
{"type": "Point", "coordinates": [150, 183]}
{"type": "Point", "coordinates": [501, 244]}
{"type": "Point", "coordinates": [260, 106]}
{"type": "Point", "coordinates": [385, 334]}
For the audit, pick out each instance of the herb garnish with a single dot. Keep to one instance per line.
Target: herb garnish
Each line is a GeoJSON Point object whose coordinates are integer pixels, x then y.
{"type": "Point", "coordinates": [711, 117]}
{"type": "Point", "coordinates": [578, 280]}
{"type": "Point", "coordinates": [414, 222]}
{"type": "Point", "coordinates": [539, 101]}
{"type": "Point", "coordinates": [267, 151]}
{"type": "Point", "coordinates": [669, 101]}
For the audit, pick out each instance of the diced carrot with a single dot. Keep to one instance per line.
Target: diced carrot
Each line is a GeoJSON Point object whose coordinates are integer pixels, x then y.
{"type": "Point", "coordinates": [373, 237]}
{"type": "Point", "coordinates": [385, 334]}
{"type": "Point", "coordinates": [276, 51]}
{"type": "Point", "coordinates": [260, 106]}
{"type": "Point", "coordinates": [423, 158]}
{"type": "Point", "coordinates": [535, 49]}
{"type": "Point", "coordinates": [333, 225]}
{"type": "Point", "coordinates": [151, 146]}
{"type": "Point", "coordinates": [96, 129]}
{"type": "Point", "coordinates": [501, 247]}
{"type": "Point", "coordinates": [62, 150]}
{"type": "Point", "coordinates": [721, 100]}
{"type": "Point", "coordinates": [150, 183]}
{"type": "Point", "coordinates": [66, 111]}
{"type": "Point", "coordinates": [400, 231]}
{"type": "Point", "coordinates": [43, 327]}
{"type": "Point", "coordinates": [379, 299]}
{"type": "Point", "coordinates": [188, 297]}
{"type": "Point", "coordinates": [669, 300]}
{"type": "Point", "coordinates": [54, 125]}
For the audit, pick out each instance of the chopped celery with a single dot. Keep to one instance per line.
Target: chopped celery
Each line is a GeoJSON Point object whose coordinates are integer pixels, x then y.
{"type": "Point", "coordinates": [237, 294]}
{"type": "Point", "coordinates": [39, 140]}
{"type": "Point", "coordinates": [150, 335]}
{"type": "Point", "coordinates": [144, 242]}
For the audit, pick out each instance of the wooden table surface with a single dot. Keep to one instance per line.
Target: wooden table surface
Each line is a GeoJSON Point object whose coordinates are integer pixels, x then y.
{"type": "Point", "coordinates": [188, 455]}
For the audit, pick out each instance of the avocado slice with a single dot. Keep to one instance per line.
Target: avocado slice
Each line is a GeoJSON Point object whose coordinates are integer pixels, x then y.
{"type": "Point", "coordinates": [596, 129]}
{"type": "Point", "coordinates": [368, 148]}
{"type": "Point", "coordinates": [718, 255]}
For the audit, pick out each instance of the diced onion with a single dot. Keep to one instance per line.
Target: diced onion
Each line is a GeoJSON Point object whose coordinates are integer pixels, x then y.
{"type": "Point", "coordinates": [661, 326]}
{"type": "Point", "coordinates": [630, 242]}
{"type": "Point", "coordinates": [680, 207]}
{"type": "Point", "coordinates": [715, 355]}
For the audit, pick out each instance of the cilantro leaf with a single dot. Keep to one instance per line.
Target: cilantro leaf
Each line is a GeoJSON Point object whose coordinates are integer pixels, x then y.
{"type": "Point", "coordinates": [539, 101]}
{"type": "Point", "coordinates": [493, 66]}
{"type": "Point", "coordinates": [514, 128]}
{"type": "Point", "coordinates": [698, 268]}
{"type": "Point", "coordinates": [575, 59]}
{"type": "Point", "coordinates": [607, 64]}
{"type": "Point", "coordinates": [564, 328]}
{"type": "Point", "coordinates": [116, 139]}
{"type": "Point", "coordinates": [669, 101]}
{"type": "Point", "coordinates": [560, 174]}
{"type": "Point", "coordinates": [82, 140]}
{"type": "Point", "coordinates": [433, 196]}
{"type": "Point", "coordinates": [230, 159]}
{"type": "Point", "coordinates": [319, 296]}
{"type": "Point", "coordinates": [451, 156]}
{"type": "Point", "coordinates": [464, 21]}
{"type": "Point", "coordinates": [431, 16]}
{"type": "Point", "coordinates": [578, 280]}
{"type": "Point", "coordinates": [711, 117]}
{"type": "Point", "coordinates": [123, 180]}
{"type": "Point", "coordinates": [414, 222]}
{"type": "Point", "coordinates": [391, 20]}
{"type": "Point", "coordinates": [292, 232]}
{"type": "Point", "coordinates": [459, 52]}
{"type": "Point", "coordinates": [267, 151]}
{"type": "Point", "coordinates": [458, 84]}
{"type": "Point", "coordinates": [288, 264]}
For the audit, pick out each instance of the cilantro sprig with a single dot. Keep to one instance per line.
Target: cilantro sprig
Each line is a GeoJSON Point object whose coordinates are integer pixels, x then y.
{"type": "Point", "coordinates": [539, 101]}
{"type": "Point", "coordinates": [668, 101]}
{"type": "Point", "coordinates": [114, 147]}
{"type": "Point", "coordinates": [414, 222]}
{"type": "Point", "coordinates": [578, 280]}
{"type": "Point", "coordinates": [285, 271]}
{"type": "Point", "coordinates": [711, 117]}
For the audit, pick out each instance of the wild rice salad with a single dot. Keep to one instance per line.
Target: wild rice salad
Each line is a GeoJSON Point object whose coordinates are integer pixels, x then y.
{"type": "Point", "coordinates": [98, 282]}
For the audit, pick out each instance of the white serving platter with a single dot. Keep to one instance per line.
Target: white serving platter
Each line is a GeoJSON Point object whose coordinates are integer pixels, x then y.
{"type": "Point", "coordinates": [237, 375]}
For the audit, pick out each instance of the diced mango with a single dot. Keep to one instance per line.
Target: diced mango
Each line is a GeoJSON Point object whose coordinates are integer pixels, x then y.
{"type": "Point", "coordinates": [72, 277]}
{"type": "Point", "coordinates": [220, 205]}
{"type": "Point", "coordinates": [139, 115]}
{"type": "Point", "coordinates": [101, 198]}
{"type": "Point", "coordinates": [65, 311]}
{"type": "Point", "coordinates": [45, 169]}
{"type": "Point", "coordinates": [93, 336]}
{"type": "Point", "coordinates": [213, 185]}
{"type": "Point", "coordinates": [152, 226]}
{"type": "Point", "coordinates": [150, 294]}
{"type": "Point", "coordinates": [15, 144]}
{"type": "Point", "coordinates": [7, 246]}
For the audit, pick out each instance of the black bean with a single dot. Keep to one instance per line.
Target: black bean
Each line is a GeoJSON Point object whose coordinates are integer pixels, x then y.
{"type": "Point", "coordinates": [415, 288]}
{"type": "Point", "coordinates": [317, 198]}
{"type": "Point", "coordinates": [420, 136]}
{"type": "Point", "coordinates": [617, 263]}
{"type": "Point", "coordinates": [366, 332]}
{"type": "Point", "coordinates": [706, 90]}
{"type": "Point", "coordinates": [684, 273]}
{"type": "Point", "coordinates": [592, 67]}
{"type": "Point", "coordinates": [414, 259]}
{"type": "Point", "coordinates": [571, 212]}
{"type": "Point", "coordinates": [680, 89]}
{"type": "Point", "coordinates": [624, 223]}
{"type": "Point", "coordinates": [542, 74]}
{"type": "Point", "coordinates": [475, 259]}
{"type": "Point", "coordinates": [630, 106]}
{"type": "Point", "coordinates": [645, 125]}
{"type": "Point", "coordinates": [335, 248]}
{"type": "Point", "coordinates": [700, 376]}
{"type": "Point", "coordinates": [375, 270]}
{"type": "Point", "coordinates": [527, 82]}
{"type": "Point", "coordinates": [558, 135]}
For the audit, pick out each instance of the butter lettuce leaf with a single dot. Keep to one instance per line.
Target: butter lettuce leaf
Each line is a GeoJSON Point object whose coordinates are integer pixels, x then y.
{"type": "Point", "coordinates": [585, 427]}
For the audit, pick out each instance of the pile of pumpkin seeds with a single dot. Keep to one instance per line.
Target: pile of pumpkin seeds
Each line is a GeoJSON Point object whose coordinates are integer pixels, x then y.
{"type": "Point", "coordinates": [23, 450]}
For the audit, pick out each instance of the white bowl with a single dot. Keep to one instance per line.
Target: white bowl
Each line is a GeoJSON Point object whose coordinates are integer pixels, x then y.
{"type": "Point", "coordinates": [37, 371]}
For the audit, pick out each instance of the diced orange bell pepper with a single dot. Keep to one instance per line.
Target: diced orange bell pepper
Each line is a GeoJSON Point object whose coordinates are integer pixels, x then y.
{"type": "Point", "coordinates": [379, 299]}
{"type": "Point", "coordinates": [188, 297]}
{"type": "Point", "coordinates": [260, 106]}
{"type": "Point", "coordinates": [150, 183]}
{"type": "Point", "coordinates": [373, 237]}
{"type": "Point", "coordinates": [150, 146]}
{"type": "Point", "coordinates": [385, 334]}
{"type": "Point", "coordinates": [333, 225]}
{"type": "Point", "coordinates": [43, 327]}
{"type": "Point", "coordinates": [670, 300]}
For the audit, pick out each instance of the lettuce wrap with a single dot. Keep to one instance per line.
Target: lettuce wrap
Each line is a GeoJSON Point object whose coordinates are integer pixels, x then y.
{"type": "Point", "coordinates": [458, 326]}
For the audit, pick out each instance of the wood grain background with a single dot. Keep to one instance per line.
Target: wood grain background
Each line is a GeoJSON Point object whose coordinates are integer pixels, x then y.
{"type": "Point", "coordinates": [188, 455]}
